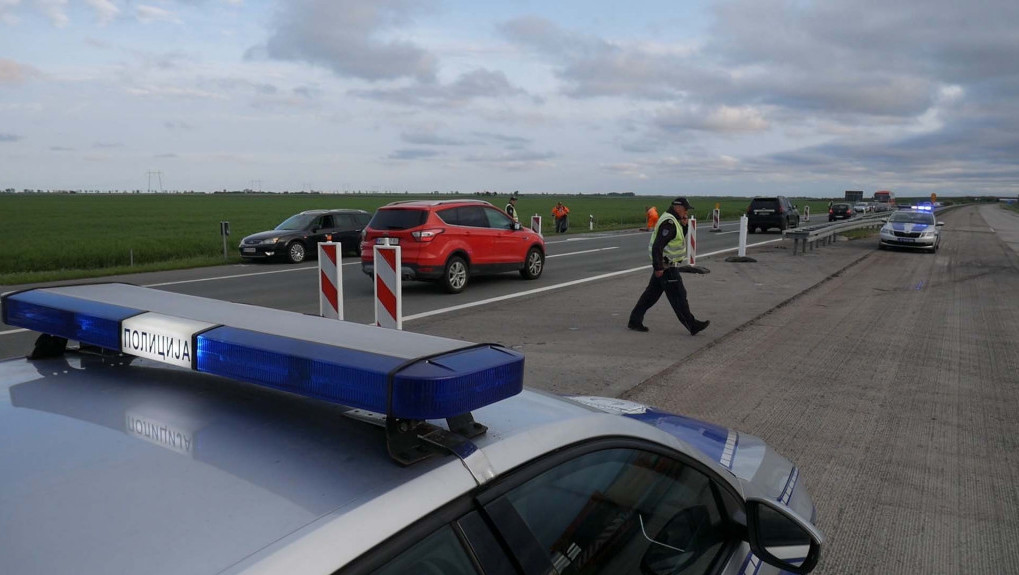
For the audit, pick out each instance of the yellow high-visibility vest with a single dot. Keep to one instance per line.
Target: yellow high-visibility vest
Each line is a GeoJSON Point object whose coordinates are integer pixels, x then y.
{"type": "Point", "coordinates": [675, 250]}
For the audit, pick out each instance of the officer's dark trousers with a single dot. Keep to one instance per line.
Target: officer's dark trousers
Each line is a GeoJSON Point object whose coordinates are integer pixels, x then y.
{"type": "Point", "coordinates": [672, 285]}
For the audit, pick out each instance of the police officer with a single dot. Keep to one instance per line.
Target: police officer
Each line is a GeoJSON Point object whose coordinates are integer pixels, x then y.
{"type": "Point", "coordinates": [668, 249]}
{"type": "Point", "coordinates": [511, 208]}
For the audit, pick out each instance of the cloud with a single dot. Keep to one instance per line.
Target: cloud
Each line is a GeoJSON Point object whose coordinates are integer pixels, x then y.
{"type": "Point", "coordinates": [177, 125]}
{"type": "Point", "coordinates": [12, 72]}
{"type": "Point", "coordinates": [593, 67]}
{"type": "Point", "coordinates": [514, 160]}
{"type": "Point", "coordinates": [60, 149]}
{"type": "Point", "coordinates": [632, 170]}
{"type": "Point", "coordinates": [431, 138]}
{"type": "Point", "coordinates": [105, 10]}
{"type": "Point", "coordinates": [469, 86]}
{"type": "Point", "coordinates": [175, 92]}
{"type": "Point", "coordinates": [511, 142]}
{"type": "Point", "coordinates": [55, 11]}
{"type": "Point", "coordinates": [410, 154]}
{"type": "Point", "coordinates": [147, 14]}
{"type": "Point", "coordinates": [352, 38]}
{"type": "Point", "coordinates": [725, 119]}
{"type": "Point", "coordinates": [10, 137]}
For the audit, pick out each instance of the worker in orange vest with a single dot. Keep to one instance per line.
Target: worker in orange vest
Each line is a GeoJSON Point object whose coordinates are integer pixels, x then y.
{"type": "Point", "coordinates": [562, 217]}
{"type": "Point", "coordinates": [652, 217]}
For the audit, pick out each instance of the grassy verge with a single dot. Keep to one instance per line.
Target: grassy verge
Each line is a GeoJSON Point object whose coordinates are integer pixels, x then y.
{"type": "Point", "coordinates": [861, 234]}
{"type": "Point", "coordinates": [69, 236]}
{"type": "Point", "coordinates": [28, 277]}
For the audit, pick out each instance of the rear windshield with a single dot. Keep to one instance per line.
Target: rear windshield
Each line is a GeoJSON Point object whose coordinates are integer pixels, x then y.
{"type": "Point", "coordinates": [397, 219]}
{"type": "Point", "coordinates": [764, 203]}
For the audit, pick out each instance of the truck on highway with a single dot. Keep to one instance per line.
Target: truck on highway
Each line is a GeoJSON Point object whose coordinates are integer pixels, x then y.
{"type": "Point", "coordinates": [853, 196]}
{"type": "Point", "coordinates": [884, 197]}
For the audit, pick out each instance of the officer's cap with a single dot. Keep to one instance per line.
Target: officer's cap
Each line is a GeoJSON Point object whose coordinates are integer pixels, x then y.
{"type": "Point", "coordinates": [681, 201]}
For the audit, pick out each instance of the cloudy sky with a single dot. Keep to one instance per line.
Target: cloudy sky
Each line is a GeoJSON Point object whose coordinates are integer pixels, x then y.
{"type": "Point", "coordinates": [739, 97]}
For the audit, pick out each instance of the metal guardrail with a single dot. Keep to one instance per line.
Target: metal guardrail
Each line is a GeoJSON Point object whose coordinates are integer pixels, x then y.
{"type": "Point", "coordinates": [825, 233]}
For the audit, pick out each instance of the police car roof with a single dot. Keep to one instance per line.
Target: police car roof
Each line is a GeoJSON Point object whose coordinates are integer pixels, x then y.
{"type": "Point", "coordinates": [157, 469]}
{"type": "Point", "coordinates": [113, 463]}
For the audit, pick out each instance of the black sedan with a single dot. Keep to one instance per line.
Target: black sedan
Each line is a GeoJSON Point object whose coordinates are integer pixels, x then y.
{"type": "Point", "coordinates": [299, 235]}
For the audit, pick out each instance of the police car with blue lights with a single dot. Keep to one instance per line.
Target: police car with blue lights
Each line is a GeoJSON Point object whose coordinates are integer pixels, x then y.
{"type": "Point", "coordinates": [152, 432]}
{"type": "Point", "coordinates": [914, 228]}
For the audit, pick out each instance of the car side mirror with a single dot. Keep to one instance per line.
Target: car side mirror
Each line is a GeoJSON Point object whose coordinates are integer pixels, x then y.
{"type": "Point", "coordinates": [939, 224]}
{"type": "Point", "coordinates": [517, 227]}
{"type": "Point", "coordinates": [781, 538]}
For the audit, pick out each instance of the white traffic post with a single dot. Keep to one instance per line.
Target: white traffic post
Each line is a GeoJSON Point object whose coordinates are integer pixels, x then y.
{"type": "Point", "coordinates": [742, 236]}
{"type": "Point", "coordinates": [330, 280]}
{"type": "Point", "coordinates": [691, 241]}
{"type": "Point", "coordinates": [536, 224]}
{"type": "Point", "coordinates": [388, 286]}
{"type": "Point", "coordinates": [590, 222]}
{"type": "Point", "coordinates": [716, 217]}
{"type": "Point", "coordinates": [806, 213]}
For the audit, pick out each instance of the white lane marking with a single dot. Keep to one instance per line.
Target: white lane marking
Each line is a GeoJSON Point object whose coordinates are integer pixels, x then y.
{"type": "Point", "coordinates": [558, 286]}
{"type": "Point", "coordinates": [458, 307]}
{"type": "Point", "coordinates": [315, 267]}
{"type": "Point", "coordinates": [593, 237]}
{"type": "Point", "coordinates": [582, 252]}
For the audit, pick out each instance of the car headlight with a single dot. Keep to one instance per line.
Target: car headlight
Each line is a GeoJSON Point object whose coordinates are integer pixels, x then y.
{"type": "Point", "coordinates": [269, 241]}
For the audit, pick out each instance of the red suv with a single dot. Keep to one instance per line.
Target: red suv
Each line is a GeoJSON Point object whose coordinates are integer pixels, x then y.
{"type": "Point", "coordinates": [451, 240]}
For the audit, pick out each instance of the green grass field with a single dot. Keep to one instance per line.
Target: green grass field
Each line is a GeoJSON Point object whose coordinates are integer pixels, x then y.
{"type": "Point", "coordinates": [66, 236]}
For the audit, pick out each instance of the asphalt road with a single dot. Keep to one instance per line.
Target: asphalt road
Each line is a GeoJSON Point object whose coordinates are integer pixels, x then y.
{"type": "Point", "coordinates": [570, 259]}
{"type": "Point", "coordinates": [890, 378]}
{"type": "Point", "coordinates": [895, 387]}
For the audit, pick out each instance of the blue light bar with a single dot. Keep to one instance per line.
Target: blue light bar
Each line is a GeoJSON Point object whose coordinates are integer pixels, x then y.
{"type": "Point", "coordinates": [338, 375]}
{"type": "Point", "coordinates": [402, 374]}
{"type": "Point", "coordinates": [434, 388]}
{"type": "Point", "coordinates": [83, 320]}
{"type": "Point", "coordinates": [458, 382]}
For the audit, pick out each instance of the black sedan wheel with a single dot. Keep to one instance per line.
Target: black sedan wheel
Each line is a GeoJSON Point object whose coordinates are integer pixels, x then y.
{"type": "Point", "coordinates": [296, 252]}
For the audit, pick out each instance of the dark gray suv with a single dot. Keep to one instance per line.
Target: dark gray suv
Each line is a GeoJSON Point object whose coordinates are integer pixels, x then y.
{"type": "Point", "coordinates": [772, 212]}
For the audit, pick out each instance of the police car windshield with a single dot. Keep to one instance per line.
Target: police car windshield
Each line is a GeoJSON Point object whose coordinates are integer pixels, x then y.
{"type": "Point", "coordinates": [913, 217]}
{"type": "Point", "coordinates": [298, 222]}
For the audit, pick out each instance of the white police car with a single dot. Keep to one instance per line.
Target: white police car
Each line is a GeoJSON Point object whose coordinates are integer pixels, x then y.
{"type": "Point", "coordinates": [187, 435]}
{"type": "Point", "coordinates": [914, 228]}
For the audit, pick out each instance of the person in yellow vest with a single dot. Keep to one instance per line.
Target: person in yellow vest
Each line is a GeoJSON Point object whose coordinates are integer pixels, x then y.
{"type": "Point", "coordinates": [652, 217]}
{"type": "Point", "coordinates": [511, 208]}
{"type": "Point", "coordinates": [668, 250]}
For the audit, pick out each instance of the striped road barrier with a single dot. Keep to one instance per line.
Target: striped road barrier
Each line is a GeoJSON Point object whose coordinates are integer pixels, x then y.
{"type": "Point", "coordinates": [388, 286]}
{"type": "Point", "coordinates": [691, 241]}
{"type": "Point", "coordinates": [330, 281]}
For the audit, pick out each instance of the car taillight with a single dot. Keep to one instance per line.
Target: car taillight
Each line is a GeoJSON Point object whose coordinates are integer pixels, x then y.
{"type": "Point", "coordinates": [426, 235]}
{"type": "Point", "coordinates": [831, 211]}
